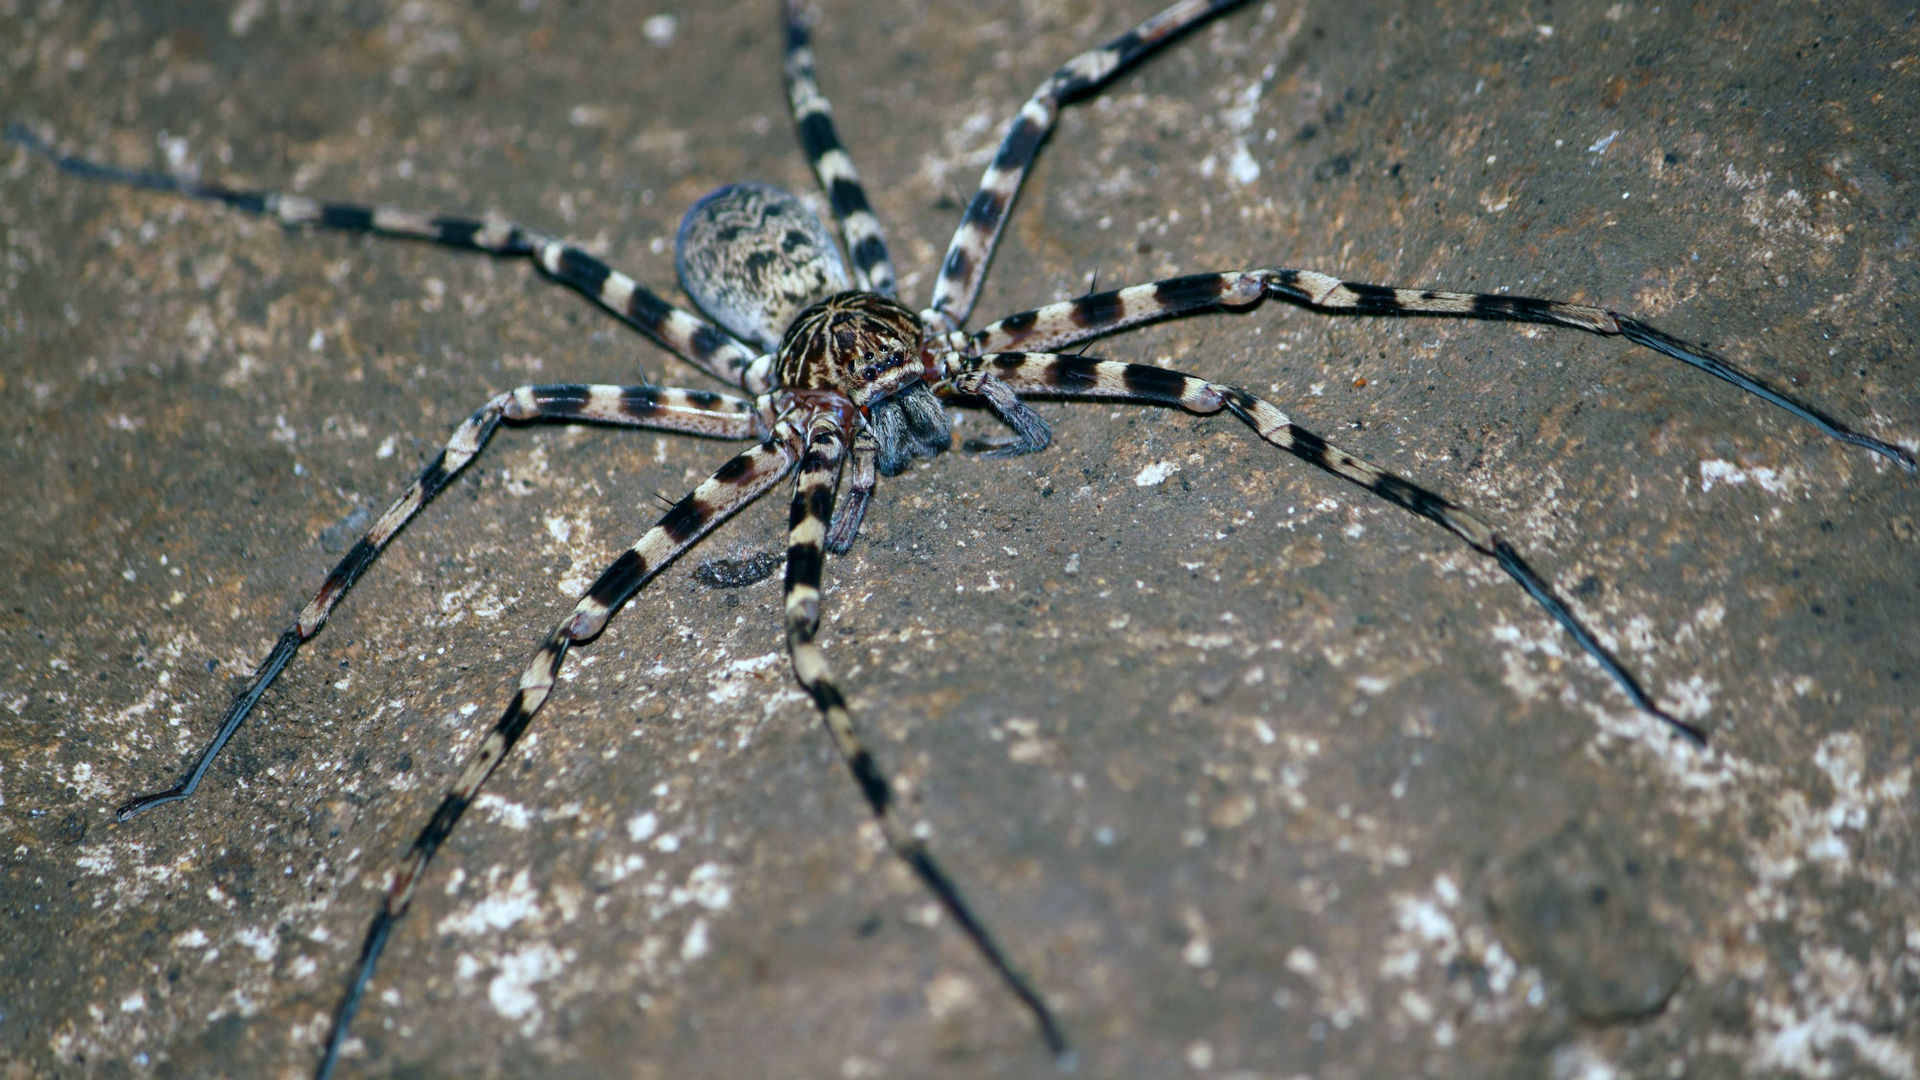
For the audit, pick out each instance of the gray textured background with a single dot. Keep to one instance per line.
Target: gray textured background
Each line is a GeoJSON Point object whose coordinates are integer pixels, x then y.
{"type": "Point", "coordinates": [1257, 777]}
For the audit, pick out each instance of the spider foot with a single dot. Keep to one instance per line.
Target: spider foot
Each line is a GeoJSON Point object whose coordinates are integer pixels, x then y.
{"type": "Point", "coordinates": [1667, 345]}
{"type": "Point", "coordinates": [140, 804]}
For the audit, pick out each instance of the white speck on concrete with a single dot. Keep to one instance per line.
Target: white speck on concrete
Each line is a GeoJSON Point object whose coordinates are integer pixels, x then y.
{"type": "Point", "coordinates": [497, 911]}
{"type": "Point", "coordinates": [642, 826]}
{"type": "Point", "coordinates": [707, 885]}
{"type": "Point", "coordinates": [1302, 962]}
{"type": "Point", "coordinates": [511, 814]}
{"type": "Point", "coordinates": [1692, 699]}
{"type": "Point", "coordinates": [1242, 169]}
{"type": "Point", "coordinates": [1805, 1036]}
{"type": "Point", "coordinates": [1782, 483]}
{"type": "Point", "coordinates": [1578, 1061]}
{"type": "Point", "coordinates": [1155, 474]}
{"type": "Point", "coordinates": [511, 991]}
{"type": "Point", "coordinates": [261, 943]}
{"type": "Point", "coordinates": [660, 29]}
{"type": "Point", "coordinates": [697, 943]}
{"type": "Point", "coordinates": [734, 678]}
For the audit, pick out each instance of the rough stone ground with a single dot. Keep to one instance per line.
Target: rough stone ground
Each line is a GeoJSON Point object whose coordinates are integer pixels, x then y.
{"type": "Point", "coordinates": [1258, 777]}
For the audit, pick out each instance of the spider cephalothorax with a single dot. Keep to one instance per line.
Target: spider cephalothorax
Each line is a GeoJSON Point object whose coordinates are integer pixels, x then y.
{"type": "Point", "coordinates": [835, 376]}
{"type": "Point", "coordinates": [860, 345]}
{"type": "Point", "coordinates": [758, 261]}
{"type": "Point", "coordinates": [864, 348]}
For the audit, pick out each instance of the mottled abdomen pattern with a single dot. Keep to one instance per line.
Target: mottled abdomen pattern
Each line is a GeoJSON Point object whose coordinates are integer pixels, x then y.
{"type": "Point", "coordinates": [753, 256]}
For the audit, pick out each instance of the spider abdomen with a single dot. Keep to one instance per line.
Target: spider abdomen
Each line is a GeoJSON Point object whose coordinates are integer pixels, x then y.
{"type": "Point", "coordinates": [753, 257]}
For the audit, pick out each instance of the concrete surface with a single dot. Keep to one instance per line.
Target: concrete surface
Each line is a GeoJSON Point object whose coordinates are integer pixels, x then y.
{"type": "Point", "coordinates": [1257, 777]}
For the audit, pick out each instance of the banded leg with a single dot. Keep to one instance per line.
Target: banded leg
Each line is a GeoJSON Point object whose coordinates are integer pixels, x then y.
{"type": "Point", "coordinates": [737, 483]}
{"type": "Point", "coordinates": [696, 411]}
{"type": "Point", "coordinates": [859, 229]}
{"type": "Point", "coordinates": [673, 328]}
{"type": "Point", "coordinates": [813, 499]}
{"type": "Point", "coordinates": [687, 336]}
{"type": "Point", "coordinates": [1053, 374]}
{"type": "Point", "coordinates": [965, 265]}
{"type": "Point", "coordinates": [1056, 326]}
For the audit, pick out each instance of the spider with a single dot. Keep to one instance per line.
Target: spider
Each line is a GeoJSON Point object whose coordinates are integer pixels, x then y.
{"type": "Point", "coordinates": [842, 384]}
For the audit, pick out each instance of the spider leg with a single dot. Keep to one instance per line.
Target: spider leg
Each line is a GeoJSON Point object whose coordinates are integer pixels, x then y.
{"type": "Point", "coordinates": [813, 499]}
{"type": "Point", "coordinates": [852, 508]}
{"type": "Point", "coordinates": [1057, 375]}
{"type": "Point", "coordinates": [1056, 326]}
{"type": "Point", "coordinates": [702, 412]}
{"type": "Point", "coordinates": [682, 333]}
{"type": "Point", "coordinates": [860, 230]}
{"type": "Point", "coordinates": [737, 483]}
{"type": "Point", "coordinates": [965, 265]}
{"type": "Point", "coordinates": [848, 514]}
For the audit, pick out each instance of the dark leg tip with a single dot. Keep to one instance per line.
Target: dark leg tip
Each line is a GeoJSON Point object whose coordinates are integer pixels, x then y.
{"type": "Point", "coordinates": [1641, 334]}
{"type": "Point", "coordinates": [1681, 729]}
{"type": "Point", "coordinates": [140, 804]}
{"type": "Point", "coordinates": [1891, 452]}
{"type": "Point", "coordinates": [1065, 1057]}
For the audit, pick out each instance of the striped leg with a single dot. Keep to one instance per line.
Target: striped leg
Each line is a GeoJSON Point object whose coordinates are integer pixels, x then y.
{"type": "Point", "coordinates": [813, 499]}
{"type": "Point", "coordinates": [1053, 374]}
{"type": "Point", "coordinates": [736, 484]}
{"type": "Point", "coordinates": [1056, 326]}
{"type": "Point", "coordinates": [675, 329]}
{"type": "Point", "coordinates": [687, 336]}
{"type": "Point", "coordinates": [697, 411]}
{"type": "Point", "coordinates": [859, 229]}
{"type": "Point", "coordinates": [965, 265]}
